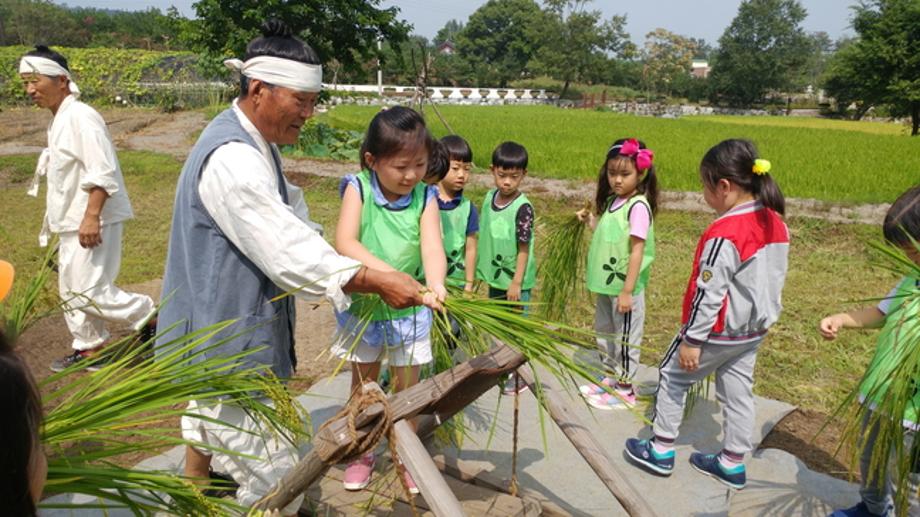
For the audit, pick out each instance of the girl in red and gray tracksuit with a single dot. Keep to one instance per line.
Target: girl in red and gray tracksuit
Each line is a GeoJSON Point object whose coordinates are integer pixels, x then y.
{"type": "Point", "coordinates": [733, 297]}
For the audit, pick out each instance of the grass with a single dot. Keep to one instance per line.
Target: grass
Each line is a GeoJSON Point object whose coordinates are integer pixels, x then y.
{"type": "Point", "coordinates": [845, 162]}
{"type": "Point", "coordinates": [829, 272]}
{"type": "Point", "coordinates": [150, 179]}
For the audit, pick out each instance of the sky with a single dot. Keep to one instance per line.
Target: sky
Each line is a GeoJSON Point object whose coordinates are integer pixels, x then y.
{"type": "Point", "coordinates": [705, 19]}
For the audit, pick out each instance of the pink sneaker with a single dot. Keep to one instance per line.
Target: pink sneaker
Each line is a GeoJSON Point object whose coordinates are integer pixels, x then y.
{"type": "Point", "coordinates": [413, 489]}
{"type": "Point", "coordinates": [594, 389]}
{"type": "Point", "coordinates": [606, 401]}
{"type": "Point", "coordinates": [358, 472]}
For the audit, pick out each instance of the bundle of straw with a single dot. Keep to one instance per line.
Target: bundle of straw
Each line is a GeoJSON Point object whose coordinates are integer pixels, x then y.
{"type": "Point", "coordinates": [562, 267]}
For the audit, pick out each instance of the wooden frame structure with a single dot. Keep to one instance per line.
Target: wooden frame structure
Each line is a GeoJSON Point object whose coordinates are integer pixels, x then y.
{"type": "Point", "coordinates": [436, 400]}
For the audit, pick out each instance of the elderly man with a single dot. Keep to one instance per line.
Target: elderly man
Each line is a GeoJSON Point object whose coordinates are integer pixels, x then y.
{"type": "Point", "coordinates": [240, 238]}
{"type": "Point", "coordinates": [86, 206]}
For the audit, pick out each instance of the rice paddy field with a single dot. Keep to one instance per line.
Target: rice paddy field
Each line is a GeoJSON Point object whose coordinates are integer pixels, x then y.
{"type": "Point", "coordinates": [845, 162]}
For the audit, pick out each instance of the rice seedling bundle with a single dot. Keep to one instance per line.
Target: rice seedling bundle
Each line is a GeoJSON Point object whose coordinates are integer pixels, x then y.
{"type": "Point", "coordinates": [562, 269]}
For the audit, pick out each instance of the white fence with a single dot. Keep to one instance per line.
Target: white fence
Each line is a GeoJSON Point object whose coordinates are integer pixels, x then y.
{"type": "Point", "coordinates": [450, 94]}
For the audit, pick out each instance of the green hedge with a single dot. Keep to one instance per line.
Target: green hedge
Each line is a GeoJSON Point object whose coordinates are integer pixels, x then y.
{"type": "Point", "coordinates": [104, 73]}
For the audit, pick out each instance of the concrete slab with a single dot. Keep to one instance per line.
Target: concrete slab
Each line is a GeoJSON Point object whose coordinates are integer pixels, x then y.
{"type": "Point", "coordinates": [778, 483]}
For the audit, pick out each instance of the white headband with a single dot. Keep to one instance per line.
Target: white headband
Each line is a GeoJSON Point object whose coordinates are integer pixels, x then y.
{"type": "Point", "coordinates": [45, 66]}
{"type": "Point", "coordinates": [281, 72]}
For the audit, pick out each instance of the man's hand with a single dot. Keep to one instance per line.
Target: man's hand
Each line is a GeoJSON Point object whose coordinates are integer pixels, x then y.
{"type": "Point", "coordinates": [398, 289]}
{"type": "Point", "coordinates": [689, 357]}
{"type": "Point", "coordinates": [90, 231]}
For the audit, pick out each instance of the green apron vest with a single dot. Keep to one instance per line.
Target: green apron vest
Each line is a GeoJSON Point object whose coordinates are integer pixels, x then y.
{"type": "Point", "coordinates": [496, 254]}
{"type": "Point", "coordinates": [393, 236]}
{"type": "Point", "coordinates": [453, 230]}
{"type": "Point", "coordinates": [902, 321]}
{"type": "Point", "coordinates": [608, 256]}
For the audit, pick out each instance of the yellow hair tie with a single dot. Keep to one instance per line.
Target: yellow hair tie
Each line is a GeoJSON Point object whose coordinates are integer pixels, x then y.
{"type": "Point", "coordinates": [761, 166]}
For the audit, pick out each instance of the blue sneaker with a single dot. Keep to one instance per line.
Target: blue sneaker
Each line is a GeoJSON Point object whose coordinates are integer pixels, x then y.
{"type": "Point", "coordinates": [644, 454]}
{"type": "Point", "coordinates": [860, 510]}
{"type": "Point", "coordinates": [709, 464]}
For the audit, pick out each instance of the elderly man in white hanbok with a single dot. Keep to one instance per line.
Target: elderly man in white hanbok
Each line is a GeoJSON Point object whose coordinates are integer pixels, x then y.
{"type": "Point", "coordinates": [87, 205]}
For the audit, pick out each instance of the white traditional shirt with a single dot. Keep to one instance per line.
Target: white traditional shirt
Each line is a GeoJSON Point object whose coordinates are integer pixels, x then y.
{"type": "Point", "coordinates": [79, 157]}
{"type": "Point", "coordinates": [239, 189]}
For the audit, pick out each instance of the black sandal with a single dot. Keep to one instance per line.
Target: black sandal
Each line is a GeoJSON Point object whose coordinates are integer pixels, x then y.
{"type": "Point", "coordinates": [222, 485]}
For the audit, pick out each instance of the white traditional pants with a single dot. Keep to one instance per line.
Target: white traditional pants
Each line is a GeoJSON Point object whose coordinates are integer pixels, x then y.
{"type": "Point", "coordinates": [86, 281]}
{"type": "Point", "coordinates": [240, 446]}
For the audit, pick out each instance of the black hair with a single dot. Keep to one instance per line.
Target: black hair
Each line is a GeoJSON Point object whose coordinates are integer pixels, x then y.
{"type": "Point", "coordinates": [457, 148]}
{"type": "Point", "coordinates": [438, 162]}
{"type": "Point", "coordinates": [648, 187]}
{"type": "Point", "coordinates": [277, 40]}
{"type": "Point", "coordinates": [47, 53]}
{"type": "Point", "coordinates": [20, 404]}
{"type": "Point", "coordinates": [510, 155]}
{"type": "Point", "coordinates": [902, 222]}
{"type": "Point", "coordinates": [393, 130]}
{"type": "Point", "coordinates": [733, 160]}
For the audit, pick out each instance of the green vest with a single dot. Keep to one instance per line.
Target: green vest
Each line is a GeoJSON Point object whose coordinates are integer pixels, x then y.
{"type": "Point", "coordinates": [902, 325]}
{"type": "Point", "coordinates": [608, 256]}
{"type": "Point", "coordinates": [393, 236]}
{"type": "Point", "coordinates": [453, 230]}
{"type": "Point", "coordinates": [496, 255]}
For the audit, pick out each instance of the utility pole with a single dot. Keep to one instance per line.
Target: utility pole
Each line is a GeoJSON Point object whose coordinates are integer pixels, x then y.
{"type": "Point", "coordinates": [379, 70]}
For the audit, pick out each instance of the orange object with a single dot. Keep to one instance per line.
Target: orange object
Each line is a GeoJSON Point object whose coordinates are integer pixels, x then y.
{"type": "Point", "coordinates": [6, 278]}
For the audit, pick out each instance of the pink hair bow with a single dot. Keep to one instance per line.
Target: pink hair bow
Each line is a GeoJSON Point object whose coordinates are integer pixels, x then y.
{"type": "Point", "coordinates": [643, 157]}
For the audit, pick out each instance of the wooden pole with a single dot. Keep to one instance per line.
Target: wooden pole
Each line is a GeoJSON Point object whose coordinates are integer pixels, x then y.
{"type": "Point", "coordinates": [589, 448]}
{"type": "Point", "coordinates": [415, 457]}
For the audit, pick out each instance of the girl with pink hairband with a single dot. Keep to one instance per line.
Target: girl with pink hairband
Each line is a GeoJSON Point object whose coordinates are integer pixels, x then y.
{"type": "Point", "coordinates": [619, 259]}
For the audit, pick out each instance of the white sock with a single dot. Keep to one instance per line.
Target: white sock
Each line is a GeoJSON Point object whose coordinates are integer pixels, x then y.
{"type": "Point", "coordinates": [661, 448]}
{"type": "Point", "coordinates": [727, 462]}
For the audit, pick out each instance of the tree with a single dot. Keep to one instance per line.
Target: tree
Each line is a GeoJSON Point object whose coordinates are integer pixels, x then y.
{"type": "Point", "coordinates": [667, 57]}
{"type": "Point", "coordinates": [764, 48]}
{"type": "Point", "coordinates": [575, 40]}
{"type": "Point", "coordinates": [703, 49]}
{"type": "Point", "coordinates": [498, 40]}
{"type": "Point", "coordinates": [448, 32]}
{"type": "Point", "coordinates": [821, 49]}
{"type": "Point", "coordinates": [30, 22]}
{"type": "Point", "coordinates": [882, 65]}
{"type": "Point", "coordinates": [344, 30]}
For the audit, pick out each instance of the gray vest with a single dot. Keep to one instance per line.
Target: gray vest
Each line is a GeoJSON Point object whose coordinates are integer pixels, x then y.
{"type": "Point", "coordinates": [209, 281]}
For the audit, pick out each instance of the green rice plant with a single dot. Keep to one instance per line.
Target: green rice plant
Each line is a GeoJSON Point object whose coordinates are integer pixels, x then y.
{"type": "Point", "coordinates": [130, 406]}
{"type": "Point", "coordinates": [562, 269]}
{"type": "Point", "coordinates": [21, 309]}
{"type": "Point", "coordinates": [888, 388]}
{"type": "Point", "coordinates": [811, 158]}
{"type": "Point", "coordinates": [549, 344]}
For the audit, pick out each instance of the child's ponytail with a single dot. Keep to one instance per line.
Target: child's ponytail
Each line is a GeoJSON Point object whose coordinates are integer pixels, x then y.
{"type": "Point", "coordinates": [649, 188]}
{"type": "Point", "coordinates": [737, 161]}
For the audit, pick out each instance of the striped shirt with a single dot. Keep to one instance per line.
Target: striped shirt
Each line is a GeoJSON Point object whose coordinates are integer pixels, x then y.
{"type": "Point", "coordinates": [735, 290]}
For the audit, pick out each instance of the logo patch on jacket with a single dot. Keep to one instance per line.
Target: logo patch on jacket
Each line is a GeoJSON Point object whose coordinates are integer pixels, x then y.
{"type": "Point", "coordinates": [706, 275]}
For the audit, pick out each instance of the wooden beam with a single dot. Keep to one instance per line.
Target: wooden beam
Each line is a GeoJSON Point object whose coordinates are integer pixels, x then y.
{"type": "Point", "coordinates": [444, 394]}
{"type": "Point", "coordinates": [471, 473]}
{"type": "Point", "coordinates": [415, 457]}
{"type": "Point", "coordinates": [588, 447]}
